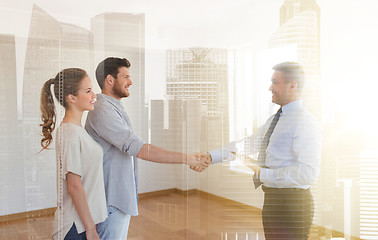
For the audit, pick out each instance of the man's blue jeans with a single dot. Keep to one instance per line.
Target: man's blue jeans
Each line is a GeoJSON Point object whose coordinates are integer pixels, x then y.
{"type": "Point", "coordinates": [115, 227]}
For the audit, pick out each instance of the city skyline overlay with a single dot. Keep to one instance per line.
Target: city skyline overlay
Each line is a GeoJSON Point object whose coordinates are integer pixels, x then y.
{"type": "Point", "coordinates": [204, 104]}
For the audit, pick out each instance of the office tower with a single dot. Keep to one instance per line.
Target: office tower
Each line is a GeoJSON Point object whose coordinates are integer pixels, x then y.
{"type": "Point", "coordinates": [12, 189]}
{"type": "Point", "coordinates": [300, 25]}
{"type": "Point", "coordinates": [51, 47]}
{"type": "Point", "coordinates": [158, 132]}
{"type": "Point", "coordinates": [369, 195]}
{"type": "Point", "coordinates": [8, 80]}
{"type": "Point", "coordinates": [184, 125]}
{"type": "Point", "coordinates": [123, 35]}
{"type": "Point", "coordinates": [76, 48]}
{"type": "Point", "coordinates": [176, 125]}
{"type": "Point", "coordinates": [202, 74]}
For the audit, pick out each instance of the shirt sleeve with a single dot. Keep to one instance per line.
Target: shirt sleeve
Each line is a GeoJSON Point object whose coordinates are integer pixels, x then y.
{"type": "Point", "coordinates": [69, 153]}
{"type": "Point", "coordinates": [110, 126]}
{"type": "Point", "coordinates": [307, 141]}
{"type": "Point", "coordinates": [229, 151]}
{"type": "Point", "coordinates": [223, 154]}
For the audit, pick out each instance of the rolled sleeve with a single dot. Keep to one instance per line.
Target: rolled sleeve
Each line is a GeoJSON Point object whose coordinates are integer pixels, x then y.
{"type": "Point", "coordinates": [111, 127]}
{"type": "Point", "coordinates": [133, 146]}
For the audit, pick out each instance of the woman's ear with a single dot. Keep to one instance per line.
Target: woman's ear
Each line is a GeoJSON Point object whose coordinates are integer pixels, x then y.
{"type": "Point", "coordinates": [71, 98]}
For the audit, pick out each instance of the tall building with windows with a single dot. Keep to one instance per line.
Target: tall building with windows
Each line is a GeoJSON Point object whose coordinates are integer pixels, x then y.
{"type": "Point", "coordinates": [300, 25]}
{"type": "Point", "coordinates": [12, 187]}
{"type": "Point", "coordinates": [369, 195]}
{"type": "Point", "coordinates": [41, 64]}
{"type": "Point", "coordinates": [76, 48]}
{"type": "Point", "coordinates": [51, 47]}
{"type": "Point", "coordinates": [8, 81]}
{"type": "Point", "coordinates": [176, 125]}
{"type": "Point", "coordinates": [123, 35]}
{"type": "Point", "coordinates": [158, 131]}
{"type": "Point", "coordinates": [202, 74]}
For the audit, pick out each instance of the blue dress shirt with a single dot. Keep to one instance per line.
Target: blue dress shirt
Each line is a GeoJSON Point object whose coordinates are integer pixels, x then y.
{"type": "Point", "coordinates": [110, 126]}
{"type": "Point", "coordinates": [294, 151]}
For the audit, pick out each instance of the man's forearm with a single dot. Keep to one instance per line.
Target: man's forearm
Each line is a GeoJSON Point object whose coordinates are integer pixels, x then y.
{"type": "Point", "coordinates": [153, 153]}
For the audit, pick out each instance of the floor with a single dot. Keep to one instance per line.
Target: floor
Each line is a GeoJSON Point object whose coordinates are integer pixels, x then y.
{"type": "Point", "coordinates": [171, 216]}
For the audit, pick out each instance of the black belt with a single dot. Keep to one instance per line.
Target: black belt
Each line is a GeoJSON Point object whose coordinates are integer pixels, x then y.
{"type": "Point", "coordinates": [284, 190]}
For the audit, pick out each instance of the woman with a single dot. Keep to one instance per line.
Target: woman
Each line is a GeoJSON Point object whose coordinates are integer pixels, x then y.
{"type": "Point", "coordinates": [81, 195]}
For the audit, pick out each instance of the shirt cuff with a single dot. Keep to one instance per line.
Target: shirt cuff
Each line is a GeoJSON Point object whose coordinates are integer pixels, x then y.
{"type": "Point", "coordinates": [263, 174]}
{"type": "Point", "coordinates": [216, 156]}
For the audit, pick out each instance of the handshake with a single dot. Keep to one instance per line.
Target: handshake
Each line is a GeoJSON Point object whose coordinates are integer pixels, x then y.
{"type": "Point", "coordinates": [198, 161]}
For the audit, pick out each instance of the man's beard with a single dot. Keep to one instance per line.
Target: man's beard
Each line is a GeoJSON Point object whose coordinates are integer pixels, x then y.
{"type": "Point", "coordinates": [118, 91]}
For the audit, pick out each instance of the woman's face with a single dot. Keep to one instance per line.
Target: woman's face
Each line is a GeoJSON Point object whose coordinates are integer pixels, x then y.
{"type": "Point", "coordinates": [85, 97]}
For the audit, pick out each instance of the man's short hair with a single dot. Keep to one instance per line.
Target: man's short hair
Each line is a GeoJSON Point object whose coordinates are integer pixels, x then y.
{"type": "Point", "coordinates": [293, 71]}
{"type": "Point", "coordinates": [110, 66]}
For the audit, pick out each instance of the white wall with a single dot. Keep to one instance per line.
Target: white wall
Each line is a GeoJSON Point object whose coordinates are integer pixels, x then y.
{"type": "Point", "coordinates": [156, 176]}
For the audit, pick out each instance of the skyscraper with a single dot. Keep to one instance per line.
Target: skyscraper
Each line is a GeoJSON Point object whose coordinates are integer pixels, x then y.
{"type": "Point", "coordinates": [202, 73]}
{"type": "Point", "coordinates": [158, 132]}
{"type": "Point", "coordinates": [8, 81]}
{"type": "Point", "coordinates": [12, 188]}
{"type": "Point", "coordinates": [51, 47]}
{"type": "Point", "coordinates": [369, 195]}
{"type": "Point", "coordinates": [76, 48]}
{"type": "Point", "coordinates": [176, 126]}
{"type": "Point", "coordinates": [180, 130]}
{"type": "Point", "coordinates": [123, 35]}
{"type": "Point", "coordinates": [300, 25]}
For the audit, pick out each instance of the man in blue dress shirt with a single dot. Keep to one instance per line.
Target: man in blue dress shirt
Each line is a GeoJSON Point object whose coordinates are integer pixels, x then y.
{"type": "Point", "coordinates": [289, 158]}
{"type": "Point", "coordinates": [110, 126]}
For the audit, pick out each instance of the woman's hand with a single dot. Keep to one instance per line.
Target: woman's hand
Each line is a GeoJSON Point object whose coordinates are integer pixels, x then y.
{"type": "Point", "coordinates": [92, 234]}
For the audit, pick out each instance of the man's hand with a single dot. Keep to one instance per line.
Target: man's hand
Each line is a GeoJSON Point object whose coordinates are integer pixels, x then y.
{"type": "Point", "coordinates": [255, 168]}
{"type": "Point", "coordinates": [201, 162]}
{"type": "Point", "coordinates": [250, 162]}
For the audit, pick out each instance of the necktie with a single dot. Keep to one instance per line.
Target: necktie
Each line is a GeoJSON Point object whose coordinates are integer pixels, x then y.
{"type": "Point", "coordinates": [264, 145]}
